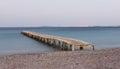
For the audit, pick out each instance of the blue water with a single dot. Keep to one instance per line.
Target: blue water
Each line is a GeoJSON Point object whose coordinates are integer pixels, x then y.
{"type": "Point", "coordinates": [11, 41]}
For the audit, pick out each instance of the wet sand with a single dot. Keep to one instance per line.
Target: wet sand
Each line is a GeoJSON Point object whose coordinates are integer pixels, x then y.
{"type": "Point", "coordinates": [99, 59]}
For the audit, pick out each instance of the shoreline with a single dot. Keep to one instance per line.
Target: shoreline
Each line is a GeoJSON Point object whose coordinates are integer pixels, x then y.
{"type": "Point", "coordinates": [98, 59]}
{"type": "Point", "coordinates": [41, 52]}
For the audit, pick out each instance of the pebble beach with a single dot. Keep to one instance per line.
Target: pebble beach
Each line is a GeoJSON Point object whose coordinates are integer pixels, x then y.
{"type": "Point", "coordinates": [59, 34]}
{"type": "Point", "coordinates": [99, 59]}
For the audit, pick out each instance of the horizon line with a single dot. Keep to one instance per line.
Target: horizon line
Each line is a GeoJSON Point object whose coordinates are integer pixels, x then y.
{"type": "Point", "coordinates": [53, 26]}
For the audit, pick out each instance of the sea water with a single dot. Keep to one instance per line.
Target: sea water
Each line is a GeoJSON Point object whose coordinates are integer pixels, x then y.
{"type": "Point", "coordinates": [12, 41]}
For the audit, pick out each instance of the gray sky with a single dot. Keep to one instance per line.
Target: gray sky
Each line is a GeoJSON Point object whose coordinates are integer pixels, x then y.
{"type": "Point", "coordinates": [59, 13]}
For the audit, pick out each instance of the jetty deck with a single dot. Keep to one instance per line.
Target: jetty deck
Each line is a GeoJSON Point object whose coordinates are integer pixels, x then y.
{"type": "Point", "coordinates": [57, 41]}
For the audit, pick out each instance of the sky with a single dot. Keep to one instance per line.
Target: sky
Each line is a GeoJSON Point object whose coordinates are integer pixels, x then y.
{"type": "Point", "coordinates": [35, 13]}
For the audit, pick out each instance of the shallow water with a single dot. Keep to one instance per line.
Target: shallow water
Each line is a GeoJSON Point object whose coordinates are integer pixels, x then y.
{"type": "Point", "coordinates": [11, 41]}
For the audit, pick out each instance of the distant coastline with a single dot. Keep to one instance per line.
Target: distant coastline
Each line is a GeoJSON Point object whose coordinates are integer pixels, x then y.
{"type": "Point", "coordinates": [60, 27]}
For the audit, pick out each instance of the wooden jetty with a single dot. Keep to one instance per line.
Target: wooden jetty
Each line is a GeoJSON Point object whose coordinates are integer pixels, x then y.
{"type": "Point", "coordinates": [57, 41]}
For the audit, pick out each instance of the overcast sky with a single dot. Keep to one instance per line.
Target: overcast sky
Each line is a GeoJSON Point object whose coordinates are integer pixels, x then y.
{"type": "Point", "coordinates": [59, 13]}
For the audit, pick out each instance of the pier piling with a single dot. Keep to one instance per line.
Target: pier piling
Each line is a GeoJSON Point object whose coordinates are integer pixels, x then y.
{"type": "Point", "coordinates": [61, 42]}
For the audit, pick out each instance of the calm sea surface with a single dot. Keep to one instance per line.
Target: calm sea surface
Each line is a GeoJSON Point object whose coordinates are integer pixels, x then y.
{"type": "Point", "coordinates": [11, 41]}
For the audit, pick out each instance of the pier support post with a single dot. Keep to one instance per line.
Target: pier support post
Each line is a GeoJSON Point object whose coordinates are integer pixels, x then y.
{"type": "Point", "coordinates": [62, 44]}
{"type": "Point", "coordinates": [81, 48]}
{"type": "Point", "coordinates": [54, 43]}
{"type": "Point", "coordinates": [39, 38]}
{"type": "Point", "coordinates": [42, 40]}
{"type": "Point", "coordinates": [35, 37]}
{"type": "Point", "coordinates": [32, 36]}
{"type": "Point", "coordinates": [45, 40]}
{"type": "Point", "coordinates": [59, 44]}
{"type": "Point", "coordinates": [51, 42]}
{"type": "Point", "coordinates": [65, 47]}
{"type": "Point", "coordinates": [73, 47]}
{"type": "Point", "coordinates": [93, 47]}
{"type": "Point", "coordinates": [70, 47]}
